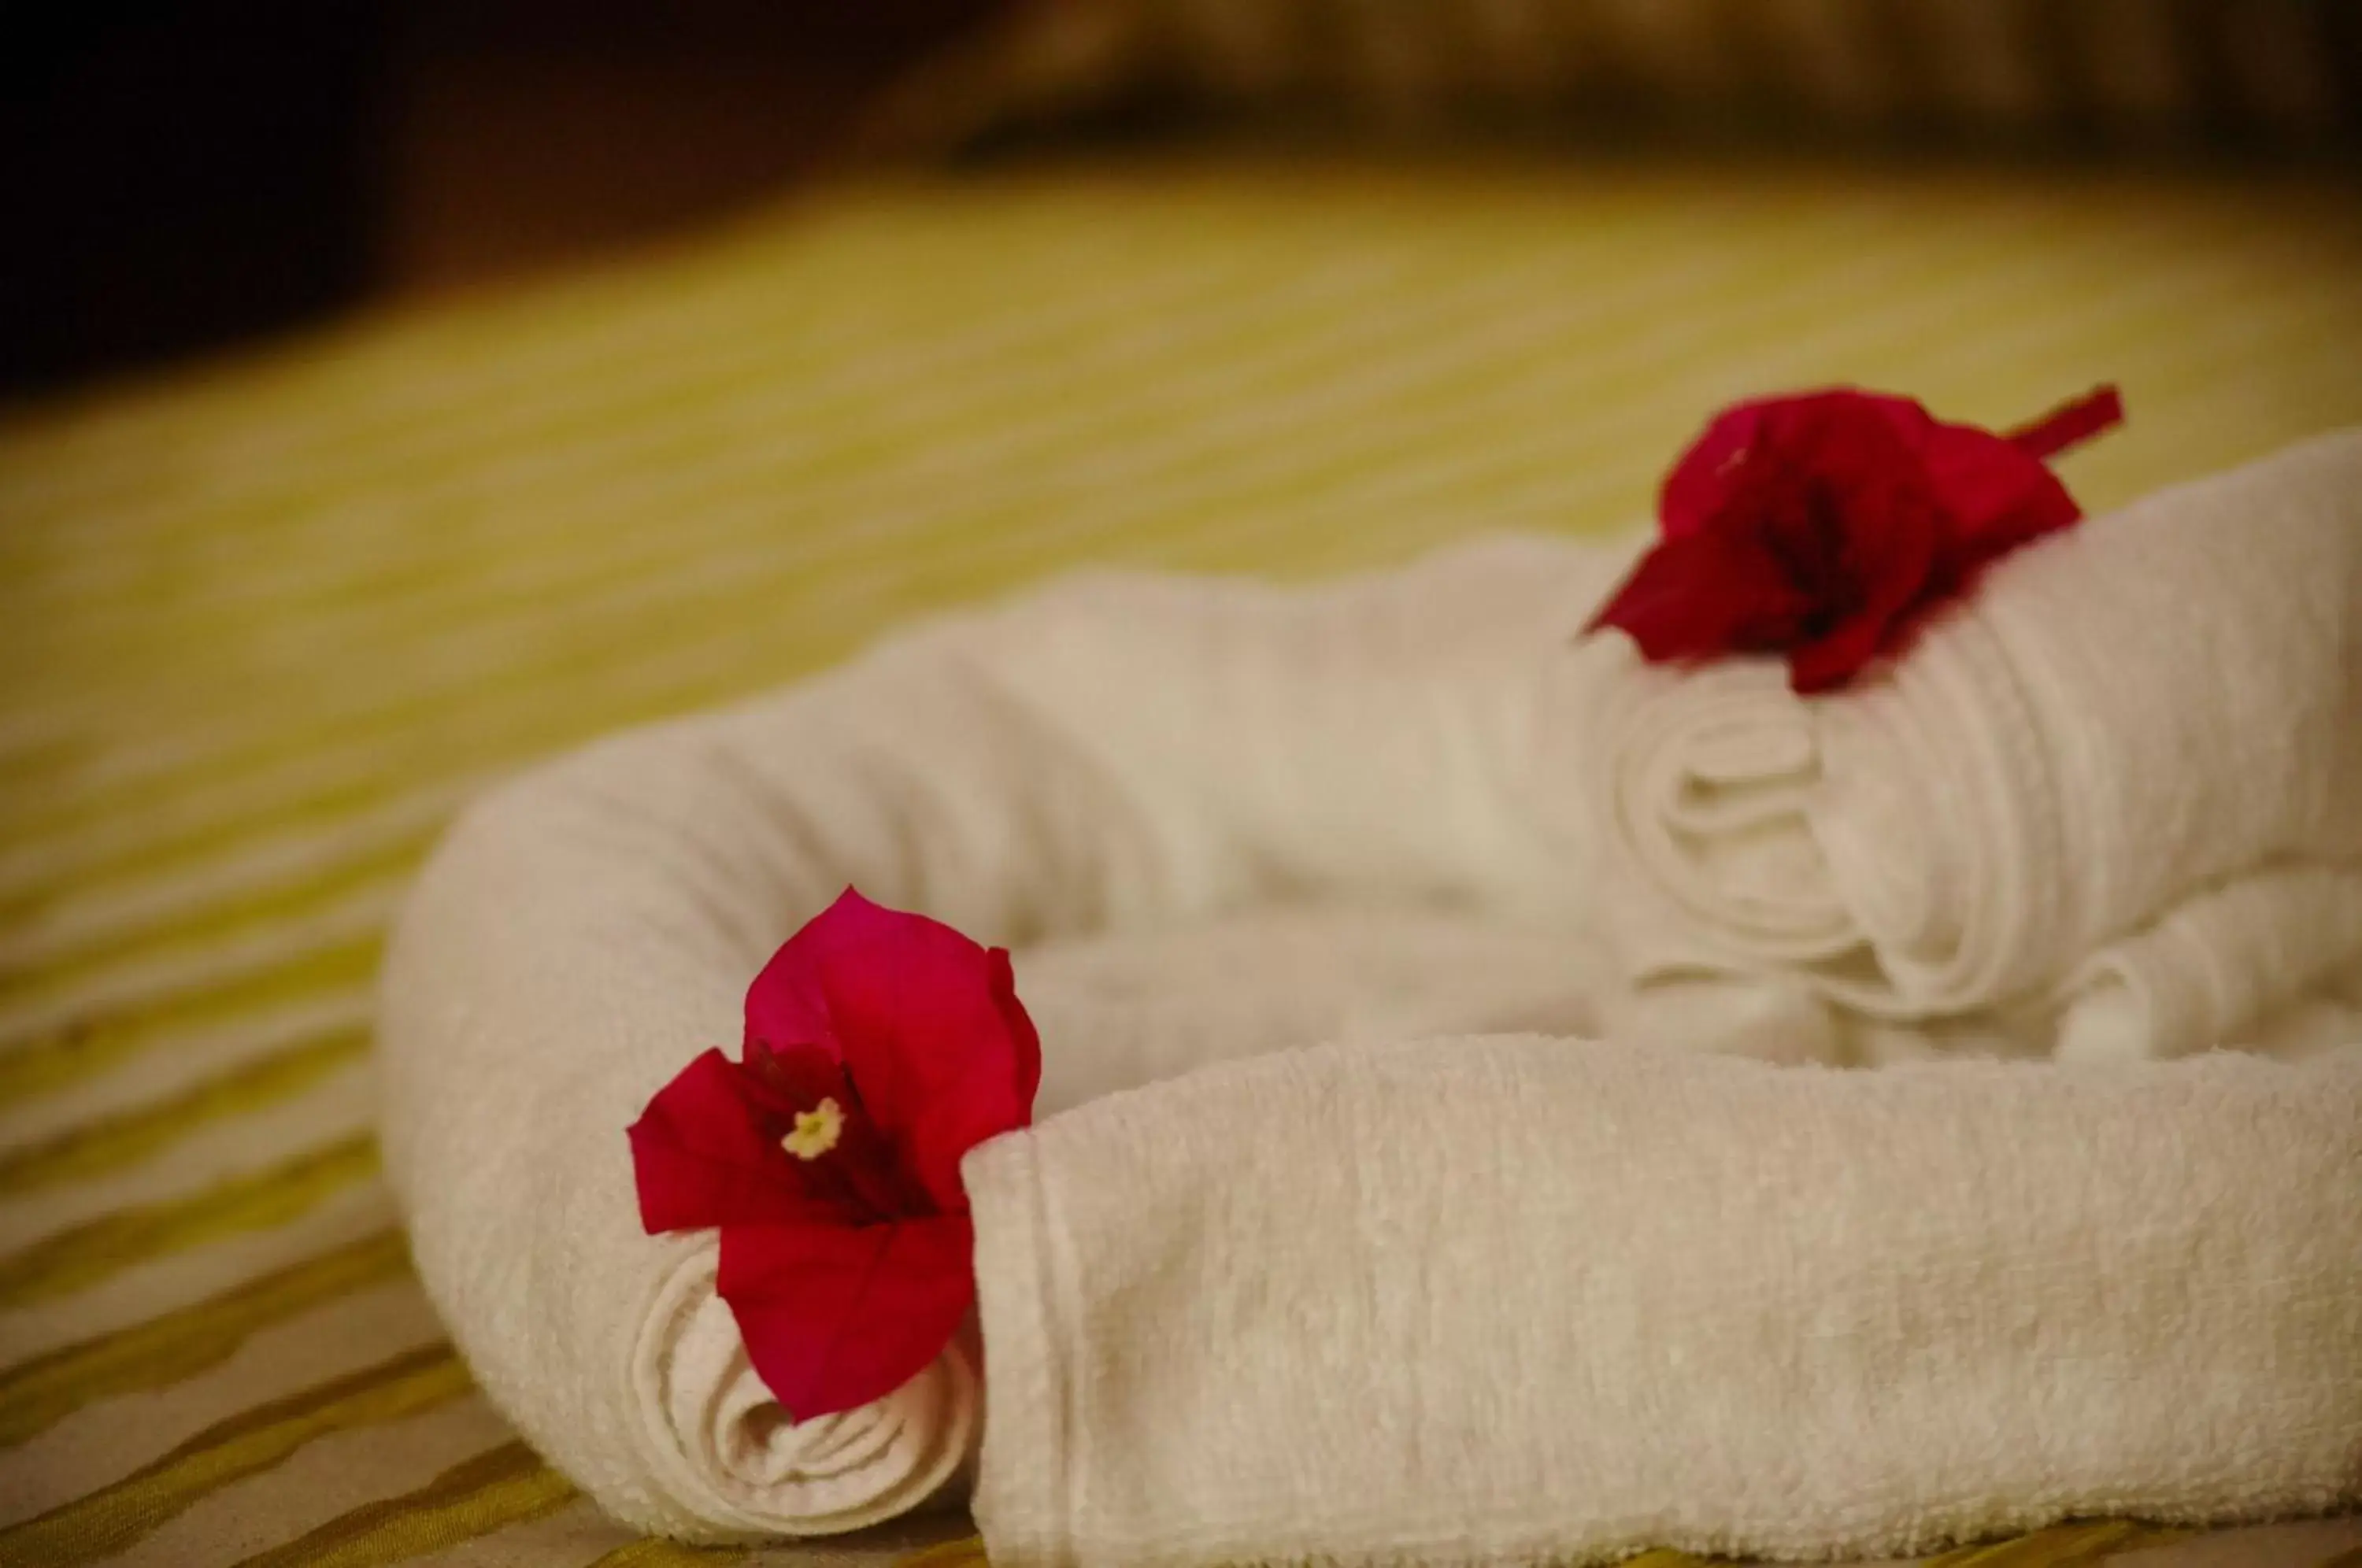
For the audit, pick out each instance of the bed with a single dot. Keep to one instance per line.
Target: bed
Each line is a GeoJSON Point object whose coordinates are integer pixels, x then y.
{"type": "Point", "coordinates": [267, 622]}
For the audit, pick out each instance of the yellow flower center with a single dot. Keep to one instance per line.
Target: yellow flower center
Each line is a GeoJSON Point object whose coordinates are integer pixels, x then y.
{"type": "Point", "coordinates": [816, 1130]}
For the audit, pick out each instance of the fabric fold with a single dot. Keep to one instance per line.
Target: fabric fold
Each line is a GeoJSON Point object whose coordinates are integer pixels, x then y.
{"type": "Point", "coordinates": [1506, 1300]}
{"type": "Point", "coordinates": [2215, 966]}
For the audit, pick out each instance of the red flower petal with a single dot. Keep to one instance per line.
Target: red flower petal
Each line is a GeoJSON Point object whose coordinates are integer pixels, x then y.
{"type": "Point", "coordinates": [1901, 555]}
{"type": "Point", "coordinates": [1827, 525]}
{"type": "Point", "coordinates": [701, 1155]}
{"type": "Point", "coordinates": [1701, 595]}
{"type": "Point", "coordinates": [1707, 476]}
{"type": "Point", "coordinates": [836, 1316]}
{"type": "Point", "coordinates": [1998, 497]}
{"type": "Point", "coordinates": [1700, 482]}
{"type": "Point", "coordinates": [926, 1022]}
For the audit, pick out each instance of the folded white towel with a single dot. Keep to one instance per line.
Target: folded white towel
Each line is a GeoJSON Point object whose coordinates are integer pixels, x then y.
{"type": "Point", "coordinates": [1519, 1301]}
{"type": "Point", "coordinates": [1096, 774]}
{"type": "Point", "coordinates": [2137, 713]}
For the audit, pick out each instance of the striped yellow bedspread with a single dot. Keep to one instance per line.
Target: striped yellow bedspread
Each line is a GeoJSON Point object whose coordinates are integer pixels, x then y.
{"type": "Point", "coordinates": [264, 626]}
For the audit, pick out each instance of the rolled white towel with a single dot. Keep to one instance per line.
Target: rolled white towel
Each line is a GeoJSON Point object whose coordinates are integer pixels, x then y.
{"type": "Point", "coordinates": [2121, 717]}
{"type": "Point", "coordinates": [1095, 776]}
{"type": "Point", "coordinates": [577, 940]}
{"type": "Point", "coordinates": [725, 1463]}
{"type": "Point", "coordinates": [1515, 1300]}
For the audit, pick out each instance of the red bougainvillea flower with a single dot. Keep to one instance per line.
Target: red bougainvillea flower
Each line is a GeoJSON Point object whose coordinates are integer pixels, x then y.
{"type": "Point", "coordinates": [880, 1047]}
{"type": "Point", "coordinates": [1824, 525]}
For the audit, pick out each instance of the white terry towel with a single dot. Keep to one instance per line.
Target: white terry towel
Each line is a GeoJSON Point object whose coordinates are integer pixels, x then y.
{"type": "Point", "coordinates": [2142, 711]}
{"type": "Point", "coordinates": [1512, 1300]}
{"type": "Point", "coordinates": [1093, 775]}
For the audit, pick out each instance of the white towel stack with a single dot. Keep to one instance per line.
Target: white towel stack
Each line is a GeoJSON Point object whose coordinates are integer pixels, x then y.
{"type": "Point", "coordinates": [2127, 773]}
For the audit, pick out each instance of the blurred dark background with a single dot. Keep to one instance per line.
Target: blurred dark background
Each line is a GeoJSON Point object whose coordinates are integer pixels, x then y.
{"type": "Point", "coordinates": [182, 176]}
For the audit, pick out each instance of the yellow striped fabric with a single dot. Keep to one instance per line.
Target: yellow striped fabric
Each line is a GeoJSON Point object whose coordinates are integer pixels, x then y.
{"type": "Point", "coordinates": [267, 624]}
